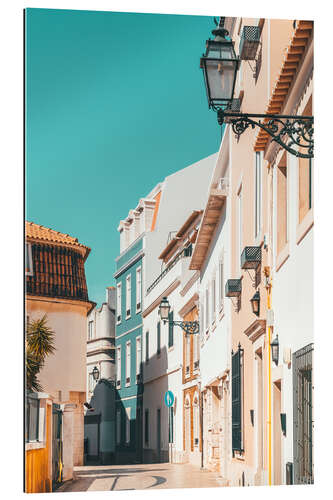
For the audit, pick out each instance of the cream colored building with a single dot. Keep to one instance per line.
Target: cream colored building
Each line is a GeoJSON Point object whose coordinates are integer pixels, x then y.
{"type": "Point", "coordinates": [56, 286]}
{"type": "Point", "coordinates": [258, 221]}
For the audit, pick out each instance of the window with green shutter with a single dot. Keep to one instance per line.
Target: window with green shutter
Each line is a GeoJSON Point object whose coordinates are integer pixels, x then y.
{"type": "Point", "coordinates": [170, 342]}
{"type": "Point", "coordinates": [236, 397]}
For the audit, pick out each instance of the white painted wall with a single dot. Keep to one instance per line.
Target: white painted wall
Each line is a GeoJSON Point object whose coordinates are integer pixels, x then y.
{"type": "Point", "coordinates": [215, 347]}
{"type": "Point", "coordinates": [103, 319]}
{"type": "Point", "coordinates": [183, 191]}
{"type": "Point", "coordinates": [292, 299]}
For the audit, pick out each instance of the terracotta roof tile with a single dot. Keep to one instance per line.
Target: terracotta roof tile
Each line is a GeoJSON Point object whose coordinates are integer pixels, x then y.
{"type": "Point", "coordinates": [37, 232]}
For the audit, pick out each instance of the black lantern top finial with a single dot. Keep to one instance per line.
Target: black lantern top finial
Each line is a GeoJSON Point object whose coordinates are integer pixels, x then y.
{"type": "Point", "coordinates": [220, 32]}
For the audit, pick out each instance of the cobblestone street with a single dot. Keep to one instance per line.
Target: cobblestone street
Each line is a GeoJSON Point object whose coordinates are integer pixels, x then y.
{"type": "Point", "coordinates": [141, 476]}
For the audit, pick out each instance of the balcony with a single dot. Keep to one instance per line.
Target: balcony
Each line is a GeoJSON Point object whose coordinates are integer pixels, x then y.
{"type": "Point", "coordinates": [233, 288]}
{"type": "Point", "coordinates": [251, 257]}
{"type": "Point", "coordinates": [170, 266]}
{"type": "Point", "coordinates": [249, 43]}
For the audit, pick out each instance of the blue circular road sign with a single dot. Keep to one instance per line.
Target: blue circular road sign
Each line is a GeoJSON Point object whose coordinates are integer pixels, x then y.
{"type": "Point", "coordinates": [169, 398]}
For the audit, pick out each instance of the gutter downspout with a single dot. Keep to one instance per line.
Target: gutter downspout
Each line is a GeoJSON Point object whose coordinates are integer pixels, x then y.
{"type": "Point", "coordinates": [269, 421]}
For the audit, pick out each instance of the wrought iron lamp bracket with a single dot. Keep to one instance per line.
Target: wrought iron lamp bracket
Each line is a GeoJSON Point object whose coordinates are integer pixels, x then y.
{"type": "Point", "coordinates": [189, 327]}
{"type": "Point", "coordinates": [289, 131]}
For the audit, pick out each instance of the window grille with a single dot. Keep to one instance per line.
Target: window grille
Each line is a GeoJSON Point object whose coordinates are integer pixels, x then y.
{"type": "Point", "coordinates": [303, 424]}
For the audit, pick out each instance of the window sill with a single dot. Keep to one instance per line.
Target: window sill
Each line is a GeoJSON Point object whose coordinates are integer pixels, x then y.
{"type": "Point", "coordinates": [239, 456]}
{"type": "Point", "coordinates": [171, 348]}
{"type": "Point", "coordinates": [304, 226]}
{"type": "Point", "coordinates": [128, 317]}
{"type": "Point", "coordinates": [34, 445]}
{"type": "Point", "coordinates": [118, 322]}
{"type": "Point", "coordinates": [282, 257]}
{"type": "Point", "coordinates": [138, 311]}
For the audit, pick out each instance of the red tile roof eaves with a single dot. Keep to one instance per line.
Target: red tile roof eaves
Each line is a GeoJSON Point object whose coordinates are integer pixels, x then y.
{"type": "Point", "coordinates": [44, 234]}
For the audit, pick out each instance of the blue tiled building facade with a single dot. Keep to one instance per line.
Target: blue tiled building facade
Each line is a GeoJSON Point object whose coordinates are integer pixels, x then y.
{"type": "Point", "coordinates": [128, 344]}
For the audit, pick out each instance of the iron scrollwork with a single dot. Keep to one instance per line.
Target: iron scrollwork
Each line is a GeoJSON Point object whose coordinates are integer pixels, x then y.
{"type": "Point", "coordinates": [189, 327]}
{"type": "Point", "coordinates": [291, 132]}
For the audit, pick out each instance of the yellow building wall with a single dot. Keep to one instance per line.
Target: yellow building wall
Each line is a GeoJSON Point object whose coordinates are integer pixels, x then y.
{"type": "Point", "coordinates": [38, 469]}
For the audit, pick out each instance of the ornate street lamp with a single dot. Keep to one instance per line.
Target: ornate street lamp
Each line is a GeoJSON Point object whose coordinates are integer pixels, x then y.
{"type": "Point", "coordinates": [95, 373]}
{"type": "Point", "coordinates": [275, 350]}
{"type": "Point", "coordinates": [189, 327]}
{"type": "Point", "coordinates": [255, 303]}
{"type": "Point", "coordinates": [220, 65]}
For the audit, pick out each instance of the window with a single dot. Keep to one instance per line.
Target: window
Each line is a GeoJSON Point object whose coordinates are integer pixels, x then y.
{"type": "Point", "coordinates": [188, 250]}
{"type": "Point", "coordinates": [138, 289]}
{"type": "Point", "coordinates": [146, 426]}
{"type": "Point", "coordinates": [303, 415]}
{"type": "Point", "coordinates": [170, 325]}
{"type": "Point", "coordinates": [32, 419]}
{"type": "Point", "coordinates": [147, 347]}
{"type": "Point", "coordinates": [202, 320]}
{"type": "Point", "coordinates": [196, 348]}
{"type": "Point", "coordinates": [128, 363]}
{"type": "Point", "coordinates": [118, 426]}
{"type": "Point", "coordinates": [158, 338]}
{"type": "Point", "coordinates": [305, 176]}
{"type": "Point", "coordinates": [240, 224]}
{"type": "Point", "coordinates": [138, 358]}
{"type": "Point", "coordinates": [258, 193]}
{"type": "Point", "coordinates": [236, 398]}
{"type": "Point", "coordinates": [119, 366]}
{"type": "Point", "coordinates": [188, 353]}
{"type": "Point", "coordinates": [90, 330]}
{"type": "Point", "coordinates": [118, 302]}
{"type": "Point", "coordinates": [206, 309]}
{"type": "Point", "coordinates": [128, 425]}
{"type": "Point", "coordinates": [221, 283]}
{"type": "Point", "coordinates": [282, 204]}
{"type": "Point", "coordinates": [28, 260]}
{"type": "Point", "coordinates": [213, 305]}
{"type": "Point", "coordinates": [128, 296]}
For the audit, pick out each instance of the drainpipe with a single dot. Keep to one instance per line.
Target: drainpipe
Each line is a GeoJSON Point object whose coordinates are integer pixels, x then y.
{"type": "Point", "coordinates": [269, 421]}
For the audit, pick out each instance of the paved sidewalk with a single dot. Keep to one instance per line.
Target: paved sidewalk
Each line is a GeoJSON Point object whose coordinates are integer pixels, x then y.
{"type": "Point", "coordinates": [140, 476]}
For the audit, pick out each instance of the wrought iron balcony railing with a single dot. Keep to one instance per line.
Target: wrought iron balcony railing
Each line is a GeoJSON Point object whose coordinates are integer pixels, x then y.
{"type": "Point", "coordinates": [183, 253]}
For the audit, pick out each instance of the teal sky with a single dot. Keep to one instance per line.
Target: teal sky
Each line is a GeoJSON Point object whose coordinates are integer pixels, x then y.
{"type": "Point", "coordinates": [114, 103]}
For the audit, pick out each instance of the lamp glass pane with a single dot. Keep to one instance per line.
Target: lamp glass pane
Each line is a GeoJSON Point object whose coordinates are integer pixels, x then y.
{"type": "Point", "coordinates": [164, 310]}
{"type": "Point", "coordinates": [220, 51]}
{"type": "Point", "coordinates": [220, 76]}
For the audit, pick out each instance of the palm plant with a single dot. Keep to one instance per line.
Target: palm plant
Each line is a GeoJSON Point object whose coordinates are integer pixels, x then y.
{"type": "Point", "coordinates": [39, 344]}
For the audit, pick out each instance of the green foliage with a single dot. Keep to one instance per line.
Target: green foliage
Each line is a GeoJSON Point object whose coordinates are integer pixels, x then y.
{"type": "Point", "coordinates": [39, 345]}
